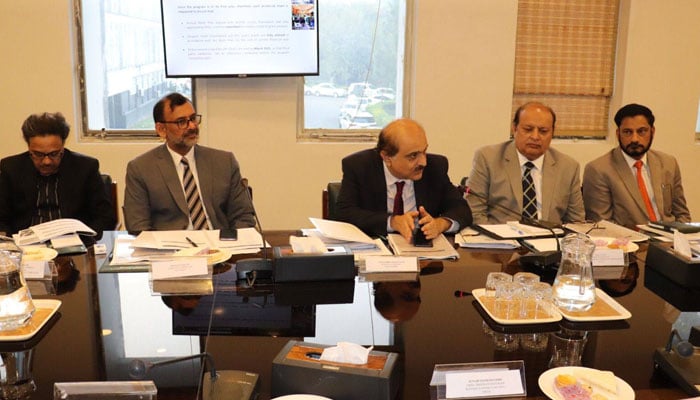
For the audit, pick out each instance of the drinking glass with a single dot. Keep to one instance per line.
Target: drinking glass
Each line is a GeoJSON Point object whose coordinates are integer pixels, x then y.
{"type": "Point", "coordinates": [494, 279]}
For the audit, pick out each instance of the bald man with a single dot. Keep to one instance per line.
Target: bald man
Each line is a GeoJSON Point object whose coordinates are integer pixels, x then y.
{"type": "Point", "coordinates": [400, 164]}
{"type": "Point", "coordinates": [498, 178]}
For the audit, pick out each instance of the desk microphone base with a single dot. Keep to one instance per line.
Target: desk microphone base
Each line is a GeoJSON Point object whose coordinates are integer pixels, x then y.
{"type": "Point", "coordinates": [684, 371]}
{"type": "Point", "coordinates": [231, 385]}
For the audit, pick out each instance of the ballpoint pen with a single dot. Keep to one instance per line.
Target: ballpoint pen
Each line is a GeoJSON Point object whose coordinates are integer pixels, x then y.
{"type": "Point", "coordinates": [191, 241]}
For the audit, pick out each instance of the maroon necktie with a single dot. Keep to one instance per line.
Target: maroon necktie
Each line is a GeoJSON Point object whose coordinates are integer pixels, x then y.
{"type": "Point", "coordinates": [398, 199]}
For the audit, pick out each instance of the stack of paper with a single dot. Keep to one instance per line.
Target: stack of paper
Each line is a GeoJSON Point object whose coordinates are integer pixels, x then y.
{"type": "Point", "coordinates": [606, 229]}
{"type": "Point", "coordinates": [441, 250]}
{"type": "Point", "coordinates": [516, 230]}
{"type": "Point", "coordinates": [249, 240]}
{"type": "Point", "coordinates": [334, 233]}
{"type": "Point", "coordinates": [52, 229]}
{"type": "Point", "coordinates": [484, 242]}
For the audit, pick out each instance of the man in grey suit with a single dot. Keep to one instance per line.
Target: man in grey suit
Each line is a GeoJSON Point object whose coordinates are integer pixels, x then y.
{"type": "Point", "coordinates": [631, 184]}
{"type": "Point", "coordinates": [157, 181]}
{"type": "Point", "coordinates": [499, 189]}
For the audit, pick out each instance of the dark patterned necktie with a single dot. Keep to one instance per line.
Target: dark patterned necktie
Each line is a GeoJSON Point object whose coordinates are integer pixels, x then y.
{"type": "Point", "coordinates": [398, 199]}
{"type": "Point", "coordinates": [529, 194]}
{"type": "Point", "coordinates": [194, 203]}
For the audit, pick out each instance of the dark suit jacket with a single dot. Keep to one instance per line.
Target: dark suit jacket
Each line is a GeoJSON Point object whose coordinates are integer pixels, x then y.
{"type": "Point", "coordinates": [81, 194]}
{"type": "Point", "coordinates": [154, 198]}
{"type": "Point", "coordinates": [362, 199]}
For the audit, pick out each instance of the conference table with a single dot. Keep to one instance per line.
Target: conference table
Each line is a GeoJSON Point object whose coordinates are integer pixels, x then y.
{"type": "Point", "coordinates": [108, 320]}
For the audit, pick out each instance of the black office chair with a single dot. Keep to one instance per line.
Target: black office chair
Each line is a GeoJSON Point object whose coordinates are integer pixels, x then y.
{"type": "Point", "coordinates": [329, 199]}
{"type": "Point", "coordinates": [110, 187]}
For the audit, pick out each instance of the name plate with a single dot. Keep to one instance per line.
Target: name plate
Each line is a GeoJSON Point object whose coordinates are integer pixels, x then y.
{"type": "Point", "coordinates": [179, 268]}
{"type": "Point", "coordinates": [36, 269]}
{"type": "Point", "coordinates": [608, 257]}
{"type": "Point", "coordinates": [504, 382]}
{"type": "Point", "coordinates": [391, 264]}
{"type": "Point", "coordinates": [479, 380]}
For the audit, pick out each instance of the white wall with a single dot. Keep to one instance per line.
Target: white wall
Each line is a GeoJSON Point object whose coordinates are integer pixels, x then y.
{"type": "Point", "coordinates": [464, 52]}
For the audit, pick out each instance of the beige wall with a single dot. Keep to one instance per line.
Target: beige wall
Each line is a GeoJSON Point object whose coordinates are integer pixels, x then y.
{"type": "Point", "coordinates": [462, 93]}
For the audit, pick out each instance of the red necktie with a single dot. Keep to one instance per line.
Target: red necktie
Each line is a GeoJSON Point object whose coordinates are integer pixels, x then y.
{"type": "Point", "coordinates": [398, 198]}
{"type": "Point", "coordinates": [643, 191]}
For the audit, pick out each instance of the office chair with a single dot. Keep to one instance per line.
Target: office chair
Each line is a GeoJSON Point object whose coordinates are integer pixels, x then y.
{"type": "Point", "coordinates": [329, 199]}
{"type": "Point", "coordinates": [111, 192]}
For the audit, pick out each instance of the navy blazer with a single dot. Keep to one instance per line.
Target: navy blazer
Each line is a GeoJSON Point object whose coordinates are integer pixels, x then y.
{"type": "Point", "coordinates": [81, 195]}
{"type": "Point", "coordinates": [362, 200]}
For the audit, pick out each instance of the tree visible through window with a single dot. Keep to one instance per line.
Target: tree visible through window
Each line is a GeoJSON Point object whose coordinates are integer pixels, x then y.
{"type": "Point", "coordinates": [361, 82]}
{"type": "Point", "coordinates": [121, 66]}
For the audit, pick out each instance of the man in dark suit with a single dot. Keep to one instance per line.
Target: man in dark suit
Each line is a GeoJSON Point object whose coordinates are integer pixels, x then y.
{"type": "Point", "coordinates": [161, 194]}
{"type": "Point", "coordinates": [48, 181]}
{"type": "Point", "coordinates": [372, 178]}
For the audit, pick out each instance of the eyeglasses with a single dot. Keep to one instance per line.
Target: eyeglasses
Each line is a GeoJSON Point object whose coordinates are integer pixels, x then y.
{"type": "Point", "coordinates": [184, 122]}
{"type": "Point", "coordinates": [53, 156]}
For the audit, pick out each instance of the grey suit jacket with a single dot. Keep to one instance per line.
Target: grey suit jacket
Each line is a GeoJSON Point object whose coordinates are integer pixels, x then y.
{"type": "Point", "coordinates": [154, 198]}
{"type": "Point", "coordinates": [610, 189]}
{"type": "Point", "coordinates": [497, 178]}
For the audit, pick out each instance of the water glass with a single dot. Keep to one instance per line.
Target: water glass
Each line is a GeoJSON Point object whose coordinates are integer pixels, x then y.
{"type": "Point", "coordinates": [507, 299]}
{"type": "Point", "coordinates": [493, 280]}
{"type": "Point", "coordinates": [542, 293]}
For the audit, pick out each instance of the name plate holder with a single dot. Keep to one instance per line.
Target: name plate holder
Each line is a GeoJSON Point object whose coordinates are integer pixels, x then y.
{"type": "Point", "coordinates": [478, 380]}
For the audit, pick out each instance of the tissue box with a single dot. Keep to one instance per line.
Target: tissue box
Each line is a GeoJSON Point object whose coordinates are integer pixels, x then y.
{"type": "Point", "coordinates": [294, 372]}
{"type": "Point", "coordinates": [338, 264]}
{"type": "Point", "coordinates": [681, 270]}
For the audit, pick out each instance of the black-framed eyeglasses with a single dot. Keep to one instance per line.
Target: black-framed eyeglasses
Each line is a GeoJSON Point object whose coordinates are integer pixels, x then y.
{"type": "Point", "coordinates": [39, 156]}
{"type": "Point", "coordinates": [184, 122]}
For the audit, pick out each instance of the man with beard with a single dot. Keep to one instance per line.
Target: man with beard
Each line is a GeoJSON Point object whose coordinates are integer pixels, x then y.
{"type": "Point", "coordinates": [49, 182]}
{"type": "Point", "coordinates": [390, 187]}
{"type": "Point", "coordinates": [180, 184]}
{"type": "Point", "coordinates": [632, 184]}
{"type": "Point", "coordinates": [524, 177]}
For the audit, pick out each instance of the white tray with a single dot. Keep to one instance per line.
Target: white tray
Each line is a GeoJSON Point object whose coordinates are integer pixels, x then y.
{"type": "Point", "coordinates": [552, 314]}
{"type": "Point", "coordinates": [44, 310]}
{"type": "Point", "coordinates": [593, 314]}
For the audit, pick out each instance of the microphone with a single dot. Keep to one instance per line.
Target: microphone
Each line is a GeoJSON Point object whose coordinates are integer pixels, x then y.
{"type": "Point", "coordinates": [683, 348]}
{"type": "Point", "coordinates": [237, 385]}
{"type": "Point", "coordinates": [250, 269]}
{"type": "Point", "coordinates": [462, 293]}
{"type": "Point", "coordinates": [538, 260]}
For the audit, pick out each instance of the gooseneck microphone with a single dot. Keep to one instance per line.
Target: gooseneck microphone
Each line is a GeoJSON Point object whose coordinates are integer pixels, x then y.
{"type": "Point", "coordinates": [138, 368]}
{"type": "Point", "coordinates": [251, 269]}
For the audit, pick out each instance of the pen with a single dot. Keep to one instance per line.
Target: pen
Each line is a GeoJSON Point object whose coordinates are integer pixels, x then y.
{"type": "Point", "coordinates": [191, 242]}
{"type": "Point", "coordinates": [514, 227]}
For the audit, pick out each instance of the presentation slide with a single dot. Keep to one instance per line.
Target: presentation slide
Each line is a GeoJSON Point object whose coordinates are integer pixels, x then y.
{"type": "Point", "coordinates": [240, 37]}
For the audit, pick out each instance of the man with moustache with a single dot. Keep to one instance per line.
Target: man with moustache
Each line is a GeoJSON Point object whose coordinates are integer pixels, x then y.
{"type": "Point", "coordinates": [180, 184]}
{"type": "Point", "coordinates": [49, 182]}
{"type": "Point", "coordinates": [390, 187]}
{"type": "Point", "coordinates": [632, 184]}
{"type": "Point", "coordinates": [524, 177]}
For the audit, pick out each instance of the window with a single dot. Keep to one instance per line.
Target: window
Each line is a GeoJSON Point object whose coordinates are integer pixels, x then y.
{"type": "Point", "coordinates": [361, 83]}
{"type": "Point", "coordinates": [122, 74]}
{"type": "Point", "coordinates": [565, 57]}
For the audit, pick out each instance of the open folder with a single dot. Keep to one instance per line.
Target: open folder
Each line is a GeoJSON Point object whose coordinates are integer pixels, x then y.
{"type": "Point", "coordinates": [516, 230]}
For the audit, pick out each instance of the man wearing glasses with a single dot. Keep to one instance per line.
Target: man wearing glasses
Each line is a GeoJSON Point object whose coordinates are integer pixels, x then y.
{"type": "Point", "coordinates": [631, 184]}
{"type": "Point", "coordinates": [180, 184]}
{"type": "Point", "coordinates": [49, 182]}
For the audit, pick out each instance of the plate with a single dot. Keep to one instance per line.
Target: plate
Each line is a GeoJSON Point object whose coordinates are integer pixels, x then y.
{"type": "Point", "coordinates": [215, 256]}
{"type": "Point", "coordinates": [44, 310]}
{"type": "Point", "coordinates": [301, 397]}
{"type": "Point", "coordinates": [549, 314]}
{"type": "Point", "coordinates": [604, 309]}
{"type": "Point", "coordinates": [613, 243]}
{"type": "Point", "coordinates": [38, 254]}
{"type": "Point", "coordinates": [546, 382]}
